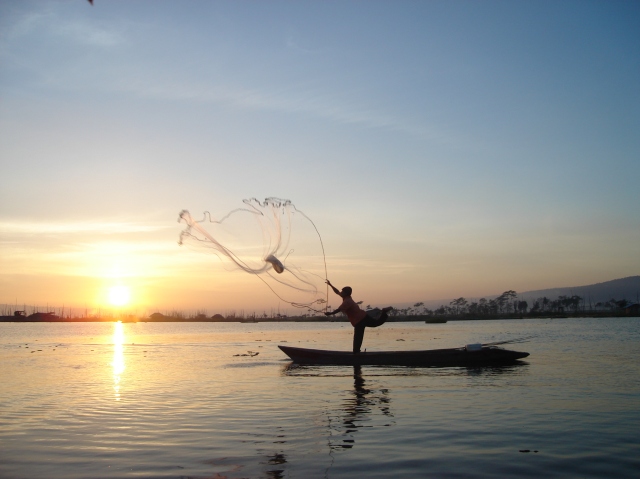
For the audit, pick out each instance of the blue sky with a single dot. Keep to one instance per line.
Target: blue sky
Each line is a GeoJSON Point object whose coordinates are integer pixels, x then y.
{"type": "Point", "coordinates": [443, 149]}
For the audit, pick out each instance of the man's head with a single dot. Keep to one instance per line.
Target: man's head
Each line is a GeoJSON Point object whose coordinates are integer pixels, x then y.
{"type": "Point", "coordinates": [346, 292]}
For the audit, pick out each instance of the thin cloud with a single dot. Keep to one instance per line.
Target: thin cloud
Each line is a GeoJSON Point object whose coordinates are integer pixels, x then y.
{"type": "Point", "coordinates": [83, 33]}
{"type": "Point", "coordinates": [308, 103]}
{"type": "Point", "coordinates": [45, 23]}
{"type": "Point", "coordinates": [77, 227]}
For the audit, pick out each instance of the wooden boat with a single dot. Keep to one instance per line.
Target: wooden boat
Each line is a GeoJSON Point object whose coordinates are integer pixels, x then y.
{"type": "Point", "coordinates": [470, 355]}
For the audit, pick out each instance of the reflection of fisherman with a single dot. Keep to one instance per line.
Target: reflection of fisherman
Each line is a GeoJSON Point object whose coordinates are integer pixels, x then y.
{"type": "Point", "coordinates": [358, 411]}
{"type": "Point", "coordinates": [359, 319]}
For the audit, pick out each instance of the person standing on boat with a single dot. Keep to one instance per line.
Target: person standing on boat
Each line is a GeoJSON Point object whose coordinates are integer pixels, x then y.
{"type": "Point", "coordinates": [359, 319]}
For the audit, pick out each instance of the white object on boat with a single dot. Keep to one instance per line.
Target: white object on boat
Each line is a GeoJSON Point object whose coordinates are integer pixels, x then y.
{"type": "Point", "coordinates": [473, 347]}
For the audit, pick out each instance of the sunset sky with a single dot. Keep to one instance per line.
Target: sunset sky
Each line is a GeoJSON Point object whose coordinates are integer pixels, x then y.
{"type": "Point", "coordinates": [441, 148]}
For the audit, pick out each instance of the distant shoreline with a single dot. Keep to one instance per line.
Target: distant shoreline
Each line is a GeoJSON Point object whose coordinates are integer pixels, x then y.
{"type": "Point", "coordinates": [315, 319]}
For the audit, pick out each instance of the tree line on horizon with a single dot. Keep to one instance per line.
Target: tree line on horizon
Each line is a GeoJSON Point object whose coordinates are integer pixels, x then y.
{"type": "Point", "coordinates": [508, 303]}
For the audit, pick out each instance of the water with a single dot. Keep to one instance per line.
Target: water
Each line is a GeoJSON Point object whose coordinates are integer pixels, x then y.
{"type": "Point", "coordinates": [192, 400]}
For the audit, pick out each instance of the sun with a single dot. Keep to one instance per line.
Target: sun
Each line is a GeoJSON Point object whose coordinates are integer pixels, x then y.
{"type": "Point", "coordinates": [119, 295]}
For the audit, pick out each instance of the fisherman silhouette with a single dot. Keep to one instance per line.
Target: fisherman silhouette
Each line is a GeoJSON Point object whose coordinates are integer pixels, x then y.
{"type": "Point", "coordinates": [359, 319]}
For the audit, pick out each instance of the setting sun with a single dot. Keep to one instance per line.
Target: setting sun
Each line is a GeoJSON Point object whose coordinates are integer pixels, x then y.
{"type": "Point", "coordinates": [119, 295]}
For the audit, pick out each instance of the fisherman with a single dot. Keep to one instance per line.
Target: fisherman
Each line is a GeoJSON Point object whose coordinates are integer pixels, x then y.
{"type": "Point", "coordinates": [359, 319]}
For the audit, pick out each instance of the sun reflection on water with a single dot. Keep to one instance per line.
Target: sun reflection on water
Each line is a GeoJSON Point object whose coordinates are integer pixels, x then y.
{"type": "Point", "coordinates": [118, 357]}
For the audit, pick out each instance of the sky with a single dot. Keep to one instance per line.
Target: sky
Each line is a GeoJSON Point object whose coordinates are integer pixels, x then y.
{"type": "Point", "coordinates": [441, 148]}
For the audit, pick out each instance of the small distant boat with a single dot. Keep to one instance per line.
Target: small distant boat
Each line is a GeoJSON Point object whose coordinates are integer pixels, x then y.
{"type": "Point", "coordinates": [45, 317]}
{"type": "Point", "coordinates": [470, 355]}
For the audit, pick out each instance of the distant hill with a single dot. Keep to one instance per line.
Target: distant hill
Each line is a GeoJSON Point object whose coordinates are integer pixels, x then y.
{"type": "Point", "coordinates": [623, 288]}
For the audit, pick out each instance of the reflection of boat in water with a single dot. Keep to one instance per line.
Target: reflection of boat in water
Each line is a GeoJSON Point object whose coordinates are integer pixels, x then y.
{"type": "Point", "coordinates": [470, 355]}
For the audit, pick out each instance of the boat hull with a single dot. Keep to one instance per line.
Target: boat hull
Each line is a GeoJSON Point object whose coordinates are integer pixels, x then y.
{"type": "Point", "coordinates": [486, 356]}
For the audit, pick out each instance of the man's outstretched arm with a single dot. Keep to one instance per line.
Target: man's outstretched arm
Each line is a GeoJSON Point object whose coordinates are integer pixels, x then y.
{"type": "Point", "coordinates": [335, 290]}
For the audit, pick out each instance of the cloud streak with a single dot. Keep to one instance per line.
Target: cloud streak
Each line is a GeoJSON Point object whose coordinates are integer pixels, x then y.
{"type": "Point", "coordinates": [16, 228]}
{"type": "Point", "coordinates": [315, 104]}
{"type": "Point", "coordinates": [47, 24]}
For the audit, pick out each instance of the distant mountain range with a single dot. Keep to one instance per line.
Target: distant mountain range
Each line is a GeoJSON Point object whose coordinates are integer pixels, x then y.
{"type": "Point", "coordinates": [623, 288]}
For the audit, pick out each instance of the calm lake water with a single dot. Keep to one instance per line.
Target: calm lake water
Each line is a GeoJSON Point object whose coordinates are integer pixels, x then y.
{"type": "Point", "coordinates": [191, 400]}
